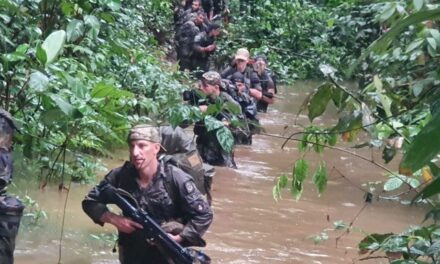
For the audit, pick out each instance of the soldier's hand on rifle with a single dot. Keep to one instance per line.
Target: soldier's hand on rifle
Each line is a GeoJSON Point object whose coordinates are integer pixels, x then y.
{"type": "Point", "coordinates": [176, 238]}
{"type": "Point", "coordinates": [122, 223]}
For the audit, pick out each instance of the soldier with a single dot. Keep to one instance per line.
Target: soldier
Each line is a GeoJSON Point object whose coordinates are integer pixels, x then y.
{"type": "Point", "coordinates": [196, 8]}
{"type": "Point", "coordinates": [150, 182]}
{"type": "Point", "coordinates": [267, 84]}
{"type": "Point", "coordinates": [207, 143]}
{"type": "Point", "coordinates": [240, 64]}
{"type": "Point", "coordinates": [204, 45]}
{"type": "Point", "coordinates": [185, 39]}
{"type": "Point", "coordinates": [11, 209]}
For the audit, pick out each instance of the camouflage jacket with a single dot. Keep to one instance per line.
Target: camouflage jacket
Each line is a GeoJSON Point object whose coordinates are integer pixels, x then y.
{"type": "Point", "coordinates": [189, 207]}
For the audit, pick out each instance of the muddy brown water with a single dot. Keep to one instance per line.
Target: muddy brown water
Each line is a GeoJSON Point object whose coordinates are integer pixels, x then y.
{"type": "Point", "coordinates": [249, 225]}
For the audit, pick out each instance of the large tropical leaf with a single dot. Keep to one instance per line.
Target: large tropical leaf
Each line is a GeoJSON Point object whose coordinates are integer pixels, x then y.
{"type": "Point", "coordinates": [424, 147]}
{"type": "Point", "coordinates": [225, 138]}
{"type": "Point", "coordinates": [319, 100]}
{"type": "Point", "coordinates": [53, 44]}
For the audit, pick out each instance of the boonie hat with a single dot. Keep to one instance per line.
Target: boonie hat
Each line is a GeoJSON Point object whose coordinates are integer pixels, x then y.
{"type": "Point", "coordinates": [242, 54]}
{"type": "Point", "coordinates": [144, 132]}
{"type": "Point", "coordinates": [212, 78]}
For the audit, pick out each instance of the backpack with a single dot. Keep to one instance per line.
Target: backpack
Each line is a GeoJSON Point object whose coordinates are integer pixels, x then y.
{"type": "Point", "coordinates": [192, 164]}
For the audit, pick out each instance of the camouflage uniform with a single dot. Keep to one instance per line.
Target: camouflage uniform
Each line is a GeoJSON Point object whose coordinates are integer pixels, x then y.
{"type": "Point", "coordinates": [184, 40]}
{"type": "Point", "coordinates": [207, 142]}
{"type": "Point", "coordinates": [266, 84]}
{"type": "Point", "coordinates": [11, 209]}
{"type": "Point", "coordinates": [220, 6]}
{"type": "Point", "coordinates": [170, 197]}
{"type": "Point", "coordinates": [200, 58]}
{"type": "Point", "coordinates": [250, 76]}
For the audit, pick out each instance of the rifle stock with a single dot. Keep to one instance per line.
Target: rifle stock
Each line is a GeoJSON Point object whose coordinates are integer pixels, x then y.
{"type": "Point", "coordinates": [152, 230]}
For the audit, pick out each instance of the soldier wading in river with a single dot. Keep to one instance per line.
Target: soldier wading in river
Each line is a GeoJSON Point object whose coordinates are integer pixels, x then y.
{"type": "Point", "coordinates": [183, 212]}
{"type": "Point", "coordinates": [11, 209]}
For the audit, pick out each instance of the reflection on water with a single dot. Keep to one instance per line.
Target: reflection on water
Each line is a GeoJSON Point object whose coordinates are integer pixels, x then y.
{"type": "Point", "coordinates": [249, 226]}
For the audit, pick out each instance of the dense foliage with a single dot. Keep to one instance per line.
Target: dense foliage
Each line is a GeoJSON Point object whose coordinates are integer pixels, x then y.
{"type": "Point", "coordinates": [77, 74]}
{"type": "Point", "coordinates": [298, 35]}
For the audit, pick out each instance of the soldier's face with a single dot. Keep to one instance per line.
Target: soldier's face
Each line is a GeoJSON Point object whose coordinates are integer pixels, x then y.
{"type": "Point", "coordinates": [241, 64]}
{"type": "Point", "coordinates": [199, 20]}
{"type": "Point", "coordinates": [208, 89]}
{"type": "Point", "coordinates": [142, 152]}
{"type": "Point", "coordinates": [195, 5]}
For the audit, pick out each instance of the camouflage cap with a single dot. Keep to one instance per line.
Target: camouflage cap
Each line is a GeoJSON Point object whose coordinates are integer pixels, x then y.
{"type": "Point", "coordinates": [144, 132]}
{"type": "Point", "coordinates": [212, 78]}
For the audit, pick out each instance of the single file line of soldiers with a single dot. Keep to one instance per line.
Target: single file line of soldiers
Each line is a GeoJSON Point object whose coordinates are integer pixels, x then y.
{"type": "Point", "coordinates": [247, 82]}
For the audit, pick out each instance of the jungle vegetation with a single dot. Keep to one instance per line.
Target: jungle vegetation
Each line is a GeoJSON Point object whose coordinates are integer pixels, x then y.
{"type": "Point", "coordinates": [76, 74]}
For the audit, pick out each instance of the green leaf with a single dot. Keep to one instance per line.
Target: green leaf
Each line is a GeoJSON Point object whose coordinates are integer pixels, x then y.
{"type": "Point", "coordinates": [367, 242]}
{"type": "Point", "coordinates": [232, 108]}
{"type": "Point", "coordinates": [385, 101]}
{"type": "Point", "coordinates": [424, 147]}
{"type": "Point", "coordinates": [431, 189]}
{"type": "Point", "coordinates": [320, 178]}
{"type": "Point", "coordinates": [300, 170]}
{"type": "Point", "coordinates": [38, 81]}
{"type": "Point", "coordinates": [276, 193]}
{"type": "Point", "coordinates": [92, 22]}
{"type": "Point", "coordinates": [435, 34]}
{"type": "Point", "coordinates": [432, 42]}
{"type": "Point", "coordinates": [62, 104]}
{"type": "Point", "coordinates": [348, 123]}
{"type": "Point", "coordinates": [104, 90]}
{"type": "Point", "coordinates": [388, 12]}
{"type": "Point", "coordinates": [393, 183]}
{"type": "Point", "coordinates": [74, 30]}
{"type": "Point", "coordinates": [319, 100]}
{"type": "Point", "coordinates": [41, 55]}
{"type": "Point", "coordinates": [114, 5]}
{"type": "Point", "coordinates": [18, 55]}
{"type": "Point", "coordinates": [296, 189]}
{"type": "Point", "coordinates": [414, 45]}
{"type": "Point", "coordinates": [282, 181]}
{"type": "Point", "coordinates": [418, 4]}
{"type": "Point", "coordinates": [225, 138]}
{"type": "Point", "coordinates": [67, 8]}
{"type": "Point", "coordinates": [212, 124]}
{"type": "Point", "coordinates": [53, 44]}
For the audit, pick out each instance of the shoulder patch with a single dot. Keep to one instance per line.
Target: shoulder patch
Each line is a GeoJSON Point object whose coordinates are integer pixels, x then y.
{"type": "Point", "coordinates": [190, 187]}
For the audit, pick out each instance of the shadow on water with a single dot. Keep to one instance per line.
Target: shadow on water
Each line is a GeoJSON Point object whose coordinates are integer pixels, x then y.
{"type": "Point", "coordinates": [249, 226]}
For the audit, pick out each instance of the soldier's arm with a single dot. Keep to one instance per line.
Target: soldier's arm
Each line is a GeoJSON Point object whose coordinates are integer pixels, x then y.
{"type": "Point", "coordinates": [94, 206]}
{"type": "Point", "coordinates": [270, 91]}
{"type": "Point", "coordinates": [195, 207]}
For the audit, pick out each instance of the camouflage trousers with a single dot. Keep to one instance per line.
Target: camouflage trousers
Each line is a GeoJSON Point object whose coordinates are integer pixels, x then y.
{"type": "Point", "coordinates": [11, 210]}
{"type": "Point", "coordinates": [7, 246]}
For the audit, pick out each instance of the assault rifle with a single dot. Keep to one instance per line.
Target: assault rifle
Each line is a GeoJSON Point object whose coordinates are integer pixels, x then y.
{"type": "Point", "coordinates": [153, 232]}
